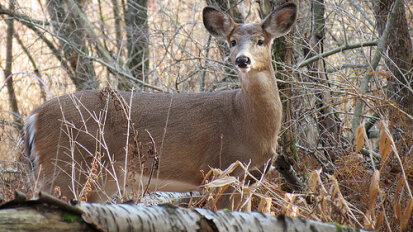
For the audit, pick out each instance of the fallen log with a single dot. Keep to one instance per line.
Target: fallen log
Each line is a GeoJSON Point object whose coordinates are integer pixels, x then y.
{"type": "Point", "coordinates": [49, 213]}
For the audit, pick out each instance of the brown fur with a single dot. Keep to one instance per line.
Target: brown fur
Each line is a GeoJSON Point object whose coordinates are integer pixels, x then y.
{"type": "Point", "coordinates": [201, 130]}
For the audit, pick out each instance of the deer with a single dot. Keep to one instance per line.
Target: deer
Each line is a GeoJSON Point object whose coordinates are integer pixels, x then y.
{"type": "Point", "coordinates": [189, 131]}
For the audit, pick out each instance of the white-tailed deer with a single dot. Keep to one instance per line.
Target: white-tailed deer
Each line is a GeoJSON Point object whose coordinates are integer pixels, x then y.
{"type": "Point", "coordinates": [191, 132]}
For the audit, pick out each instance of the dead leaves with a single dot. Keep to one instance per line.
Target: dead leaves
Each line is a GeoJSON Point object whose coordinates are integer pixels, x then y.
{"type": "Point", "coordinates": [370, 220]}
{"type": "Point", "coordinates": [359, 138]}
{"type": "Point", "coordinates": [329, 203]}
{"type": "Point", "coordinates": [384, 142]}
{"type": "Point", "coordinates": [216, 185]}
{"type": "Point", "coordinates": [402, 215]}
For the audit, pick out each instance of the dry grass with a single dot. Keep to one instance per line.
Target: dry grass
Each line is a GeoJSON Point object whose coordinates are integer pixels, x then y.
{"type": "Point", "coordinates": [360, 193]}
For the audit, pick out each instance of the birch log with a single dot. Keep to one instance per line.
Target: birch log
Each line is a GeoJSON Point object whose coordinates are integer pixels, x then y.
{"type": "Point", "coordinates": [51, 214]}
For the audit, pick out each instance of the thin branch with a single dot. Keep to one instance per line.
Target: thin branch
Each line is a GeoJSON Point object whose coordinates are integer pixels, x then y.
{"type": "Point", "coordinates": [336, 50]}
{"type": "Point", "coordinates": [35, 68]}
{"type": "Point", "coordinates": [23, 17]}
{"type": "Point", "coordinates": [362, 12]}
{"type": "Point", "coordinates": [31, 23]}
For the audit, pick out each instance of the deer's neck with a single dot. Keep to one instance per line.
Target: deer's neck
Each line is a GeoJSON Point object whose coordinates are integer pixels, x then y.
{"type": "Point", "coordinates": [262, 101]}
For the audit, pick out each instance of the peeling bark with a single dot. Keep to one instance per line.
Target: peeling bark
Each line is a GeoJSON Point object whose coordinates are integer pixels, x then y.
{"type": "Point", "coordinates": [50, 213]}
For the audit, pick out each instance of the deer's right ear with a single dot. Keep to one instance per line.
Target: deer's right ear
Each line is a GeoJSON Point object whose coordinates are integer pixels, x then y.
{"type": "Point", "coordinates": [281, 20]}
{"type": "Point", "coordinates": [216, 22]}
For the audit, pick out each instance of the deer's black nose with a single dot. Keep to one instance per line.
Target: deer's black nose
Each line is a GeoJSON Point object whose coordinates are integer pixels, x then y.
{"type": "Point", "coordinates": [242, 61]}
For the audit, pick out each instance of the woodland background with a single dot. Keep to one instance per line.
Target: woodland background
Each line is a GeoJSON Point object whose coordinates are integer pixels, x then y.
{"type": "Point", "coordinates": [345, 75]}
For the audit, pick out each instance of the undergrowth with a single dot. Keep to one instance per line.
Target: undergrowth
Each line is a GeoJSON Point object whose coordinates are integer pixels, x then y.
{"type": "Point", "coordinates": [362, 190]}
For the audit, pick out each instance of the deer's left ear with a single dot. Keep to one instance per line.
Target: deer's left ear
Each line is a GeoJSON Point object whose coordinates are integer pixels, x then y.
{"type": "Point", "coordinates": [217, 23]}
{"type": "Point", "coordinates": [280, 21]}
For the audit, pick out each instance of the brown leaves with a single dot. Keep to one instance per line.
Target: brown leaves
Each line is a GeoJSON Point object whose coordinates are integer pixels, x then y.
{"type": "Point", "coordinates": [216, 184]}
{"type": "Point", "coordinates": [402, 215]}
{"type": "Point", "coordinates": [374, 189]}
{"type": "Point", "coordinates": [92, 177]}
{"type": "Point", "coordinates": [407, 214]}
{"type": "Point", "coordinates": [384, 142]}
{"type": "Point", "coordinates": [265, 205]}
{"type": "Point", "coordinates": [329, 203]}
{"type": "Point", "coordinates": [359, 138]}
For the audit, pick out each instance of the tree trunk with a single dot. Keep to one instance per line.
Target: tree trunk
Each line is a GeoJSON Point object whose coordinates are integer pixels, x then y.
{"type": "Point", "coordinates": [325, 117]}
{"type": "Point", "coordinates": [8, 70]}
{"type": "Point", "coordinates": [118, 30]}
{"type": "Point", "coordinates": [73, 37]}
{"type": "Point", "coordinates": [136, 19]}
{"type": "Point", "coordinates": [400, 54]}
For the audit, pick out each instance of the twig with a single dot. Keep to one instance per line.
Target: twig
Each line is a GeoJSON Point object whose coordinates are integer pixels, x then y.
{"type": "Point", "coordinates": [32, 24]}
{"type": "Point", "coordinates": [35, 68]}
{"type": "Point", "coordinates": [155, 163]}
{"type": "Point", "coordinates": [19, 17]}
{"type": "Point", "coordinates": [362, 12]}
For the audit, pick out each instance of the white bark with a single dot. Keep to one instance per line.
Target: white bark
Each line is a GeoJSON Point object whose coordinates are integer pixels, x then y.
{"type": "Point", "coordinates": [124, 217]}
{"type": "Point", "coordinates": [174, 198]}
{"type": "Point", "coordinates": [48, 212]}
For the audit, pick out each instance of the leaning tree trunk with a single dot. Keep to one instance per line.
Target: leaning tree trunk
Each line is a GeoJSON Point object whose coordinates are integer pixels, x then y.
{"type": "Point", "coordinates": [72, 38]}
{"type": "Point", "coordinates": [399, 61]}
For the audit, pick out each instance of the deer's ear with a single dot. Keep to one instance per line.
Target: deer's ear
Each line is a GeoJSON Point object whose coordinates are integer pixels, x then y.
{"type": "Point", "coordinates": [217, 23]}
{"type": "Point", "coordinates": [280, 21]}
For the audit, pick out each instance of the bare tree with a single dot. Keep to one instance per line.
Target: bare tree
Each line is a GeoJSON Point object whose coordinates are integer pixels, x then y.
{"type": "Point", "coordinates": [399, 61]}
{"type": "Point", "coordinates": [71, 32]}
{"type": "Point", "coordinates": [136, 19]}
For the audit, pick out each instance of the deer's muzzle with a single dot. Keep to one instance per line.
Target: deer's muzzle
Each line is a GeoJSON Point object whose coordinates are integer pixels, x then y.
{"type": "Point", "coordinates": [242, 62]}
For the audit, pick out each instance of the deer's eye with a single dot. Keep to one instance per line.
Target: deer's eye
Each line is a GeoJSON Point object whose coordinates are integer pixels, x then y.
{"type": "Point", "coordinates": [233, 43]}
{"type": "Point", "coordinates": [260, 42]}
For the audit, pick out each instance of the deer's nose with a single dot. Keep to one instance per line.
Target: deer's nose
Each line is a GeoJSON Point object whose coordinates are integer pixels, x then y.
{"type": "Point", "coordinates": [242, 61]}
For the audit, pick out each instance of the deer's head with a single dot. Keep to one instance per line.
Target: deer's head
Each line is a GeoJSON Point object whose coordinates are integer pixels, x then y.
{"type": "Point", "coordinates": [250, 43]}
